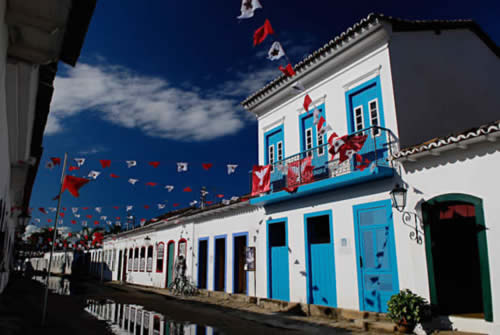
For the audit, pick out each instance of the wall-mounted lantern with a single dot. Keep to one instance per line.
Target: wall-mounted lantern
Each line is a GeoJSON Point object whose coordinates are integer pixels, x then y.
{"type": "Point", "coordinates": [398, 196]}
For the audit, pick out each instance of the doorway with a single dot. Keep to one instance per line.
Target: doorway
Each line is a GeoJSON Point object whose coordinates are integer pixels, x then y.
{"type": "Point", "coordinates": [170, 263]}
{"type": "Point", "coordinates": [240, 276]}
{"type": "Point", "coordinates": [203, 263]}
{"type": "Point", "coordinates": [278, 268]}
{"type": "Point", "coordinates": [220, 263]}
{"type": "Point", "coordinates": [457, 256]}
{"type": "Point", "coordinates": [320, 259]}
{"type": "Point", "coordinates": [119, 273]}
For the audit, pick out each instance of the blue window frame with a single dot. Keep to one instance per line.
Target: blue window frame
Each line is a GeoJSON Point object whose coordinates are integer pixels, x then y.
{"type": "Point", "coordinates": [275, 150]}
{"type": "Point", "coordinates": [309, 138]}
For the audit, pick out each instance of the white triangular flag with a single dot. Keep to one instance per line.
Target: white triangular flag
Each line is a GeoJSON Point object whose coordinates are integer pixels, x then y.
{"type": "Point", "coordinates": [52, 209]}
{"type": "Point", "coordinates": [248, 8]}
{"type": "Point", "coordinates": [276, 51]}
{"type": "Point", "coordinates": [133, 181]}
{"type": "Point", "coordinates": [154, 219]}
{"type": "Point", "coordinates": [226, 201]}
{"type": "Point", "coordinates": [77, 215]}
{"type": "Point", "coordinates": [234, 198]}
{"type": "Point", "coordinates": [37, 220]}
{"type": "Point", "coordinates": [98, 209]}
{"type": "Point", "coordinates": [142, 222]}
{"type": "Point", "coordinates": [182, 166]}
{"type": "Point", "coordinates": [49, 165]}
{"type": "Point", "coordinates": [316, 115]}
{"type": "Point", "coordinates": [104, 217]}
{"type": "Point", "coordinates": [131, 163]}
{"type": "Point", "coordinates": [129, 208]}
{"type": "Point", "coordinates": [298, 86]}
{"type": "Point", "coordinates": [231, 168]}
{"type": "Point", "coordinates": [94, 174]}
{"type": "Point", "coordinates": [161, 206]}
{"type": "Point", "coordinates": [74, 209]}
{"type": "Point", "coordinates": [169, 188]}
{"type": "Point", "coordinates": [323, 127]}
{"type": "Point", "coordinates": [84, 223]}
{"type": "Point", "coordinates": [204, 193]}
{"type": "Point", "coordinates": [80, 161]}
{"type": "Point", "coordinates": [192, 203]}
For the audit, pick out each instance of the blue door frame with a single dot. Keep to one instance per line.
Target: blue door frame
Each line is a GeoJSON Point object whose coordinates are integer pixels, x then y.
{"type": "Point", "coordinates": [208, 252]}
{"type": "Point", "coordinates": [219, 237]}
{"type": "Point", "coordinates": [320, 265]}
{"type": "Point", "coordinates": [376, 255]}
{"type": "Point", "coordinates": [278, 273]}
{"type": "Point", "coordinates": [234, 257]}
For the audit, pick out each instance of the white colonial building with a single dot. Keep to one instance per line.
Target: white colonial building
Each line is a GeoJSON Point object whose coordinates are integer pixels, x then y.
{"type": "Point", "coordinates": [34, 36]}
{"type": "Point", "coordinates": [413, 88]}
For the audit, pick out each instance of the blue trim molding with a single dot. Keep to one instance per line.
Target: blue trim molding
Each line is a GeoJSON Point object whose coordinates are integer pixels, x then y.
{"type": "Point", "coordinates": [234, 257]}
{"type": "Point", "coordinates": [218, 237]}
{"type": "Point", "coordinates": [208, 258]}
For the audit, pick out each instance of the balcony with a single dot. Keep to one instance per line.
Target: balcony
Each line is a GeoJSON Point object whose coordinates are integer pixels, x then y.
{"type": "Point", "coordinates": [290, 180]}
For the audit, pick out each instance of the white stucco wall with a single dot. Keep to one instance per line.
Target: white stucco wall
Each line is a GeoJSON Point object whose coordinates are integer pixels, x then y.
{"type": "Point", "coordinates": [332, 91]}
{"type": "Point", "coordinates": [473, 172]}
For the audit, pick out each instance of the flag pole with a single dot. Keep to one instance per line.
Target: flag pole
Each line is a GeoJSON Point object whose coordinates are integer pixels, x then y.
{"type": "Point", "coordinates": [54, 236]}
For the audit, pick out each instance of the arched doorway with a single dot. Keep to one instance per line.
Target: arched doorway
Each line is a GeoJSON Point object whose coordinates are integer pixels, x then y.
{"type": "Point", "coordinates": [457, 256]}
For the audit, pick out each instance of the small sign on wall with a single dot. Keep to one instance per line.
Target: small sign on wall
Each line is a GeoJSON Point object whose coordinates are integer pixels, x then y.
{"type": "Point", "coordinates": [250, 259]}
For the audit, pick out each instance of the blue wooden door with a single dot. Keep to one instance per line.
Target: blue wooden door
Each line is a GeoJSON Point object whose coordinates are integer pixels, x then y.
{"type": "Point", "coordinates": [310, 139]}
{"type": "Point", "coordinates": [366, 110]}
{"type": "Point", "coordinates": [275, 151]}
{"type": "Point", "coordinates": [278, 269]}
{"type": "Point", "coordinates": [377, 266]}
{"type": "Point", "coordinates": [321, 283]}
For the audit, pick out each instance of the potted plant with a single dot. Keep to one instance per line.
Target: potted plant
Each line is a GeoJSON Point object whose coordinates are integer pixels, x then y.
{"type": "Point", "coordinates": [406, 310]}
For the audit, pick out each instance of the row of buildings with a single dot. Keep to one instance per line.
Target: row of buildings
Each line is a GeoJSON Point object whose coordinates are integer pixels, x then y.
{"type": "Point", "coordinates": [34, 37]}
{"type": "Point", "coordinates": [423, 215]}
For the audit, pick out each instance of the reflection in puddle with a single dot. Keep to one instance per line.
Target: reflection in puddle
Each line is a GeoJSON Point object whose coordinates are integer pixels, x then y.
{"type": "Point", "coordinates": [57, 285]}
{"type": "Point", "coordinates": [125, 319]}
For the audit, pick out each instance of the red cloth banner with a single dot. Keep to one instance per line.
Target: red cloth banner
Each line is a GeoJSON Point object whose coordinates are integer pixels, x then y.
{"type": "Point", "coordinates": [300, 172]}
{"type": "Point", "coordinates": [261, 179]}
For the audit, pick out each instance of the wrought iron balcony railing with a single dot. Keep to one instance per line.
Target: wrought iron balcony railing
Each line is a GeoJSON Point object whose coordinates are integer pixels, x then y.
{"type": "Point", "coordinates": [289, 172]}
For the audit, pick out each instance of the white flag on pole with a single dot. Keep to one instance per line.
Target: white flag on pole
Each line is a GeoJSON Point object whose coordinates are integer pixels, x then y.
{"type": "Point", "coordinates": [133, 181]}
{"type": "Point", "coordinates": [131, 163]}
{"type": "Point", "coordinates": [80, 161]}
{"type": "Point", "coordinates": [94, 174]}
{"type": "Point", "coordinates": [169, 188]}
{"type": "Point", "coordinates": [276, 51]}
{"type": "Point", "coordinates": [182, 167]}
{"type": "Point", "coordinates": [248, 8]}
{"type": "Point", "coordinates": [231, 168]}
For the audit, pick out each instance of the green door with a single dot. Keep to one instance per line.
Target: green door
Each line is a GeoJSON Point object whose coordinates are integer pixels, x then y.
{"type": "Point", "coordinates": [170, 263]}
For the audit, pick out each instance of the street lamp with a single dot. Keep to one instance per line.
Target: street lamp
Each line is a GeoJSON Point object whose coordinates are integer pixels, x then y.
{"type": "Point", "coordinates": [398, 196]}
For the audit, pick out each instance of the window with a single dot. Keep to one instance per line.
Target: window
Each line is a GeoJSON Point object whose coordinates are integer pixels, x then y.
{"type": "Point", "coordinates": [143, 259]}
{"type": "Point", "coordinates": [318, 229]}
{"type": "Point", "coordinates": [309, 141]}
{"type": "Point", "coordinates": [270, 152]}
{"type": "Point", "coordinates": [374, 117]}
{"type": "Point", "coordinates": [160, 252]}
{"type": "Point", "coordinates": [130, 259]}
{"type": "Point", "coordinates": [136, 259]}
{"type": "Point", "coordinates": [146, 323]}
{"type": "Point", "coordinates": [279, 147]}
{"type": "Point", "coordinates": [149, 264]}
{"type": "Point", "coordinates": [358, 118]}
{"type": "Point", "coordinates": [277, 234]}
{"type": "Point", "coordinates": [321, 141]}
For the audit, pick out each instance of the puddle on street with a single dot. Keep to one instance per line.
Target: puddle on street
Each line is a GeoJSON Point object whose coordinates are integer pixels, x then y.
{"type": "Point", "coordinates": [124, 319]}
{"type": "Point", "coordinates": [57, 285]}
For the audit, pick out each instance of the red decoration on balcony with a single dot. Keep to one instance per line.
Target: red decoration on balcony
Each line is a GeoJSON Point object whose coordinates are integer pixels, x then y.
{"type": "Point", "coordinates": [300, 172]}
{"type": "Point", "coordinates": [261, 179]}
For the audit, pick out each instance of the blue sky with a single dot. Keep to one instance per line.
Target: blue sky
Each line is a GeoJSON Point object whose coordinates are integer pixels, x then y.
{"type": "Point", "coordinates": [162, 81]}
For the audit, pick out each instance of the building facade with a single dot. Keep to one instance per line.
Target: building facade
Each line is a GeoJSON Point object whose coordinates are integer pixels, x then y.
{"type": "Point", "coordinates": [34, 36]}
{"type": "Point", "coordinates": [337, 238]}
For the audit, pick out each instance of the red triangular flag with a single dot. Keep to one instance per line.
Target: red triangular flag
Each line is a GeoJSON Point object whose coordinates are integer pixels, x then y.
{"type": "Point", "coordinates": [209, 202]}
{"type": "Point", "coordinates": [220, 195]}
{"type": "Point", "coordinates": [89, 216]}
{"type": "Point", "coordinates": [105, 163]}
{"type": "Point", "coordinates": [154, 164]}
{"type": "Point", "coordinates": [41, 209]}
{"type": "Point", "coordinates": [288, 70]}
{"type": "Point", "coordinates": [96, 222]}
{"type": "Point", "coordinates": [116, 207]}
{"type": "Point", "coordinates": [114, 175]}
{"type": "Point", "coordinates": [151, 184]}
{"type": "Point", "coordinates": [61, 214]}
{"type": "Point", "coordinates": [73, 168]}
{"type": "Point", "coordinates": [175, 205]}
{"type": "Point", "coordinates": [188, 189]}
{"type": "Point", "coordinates": [206, 166]}
{"type": "Point", "coordinates": [146, 206]}
{"type": "Point", "coordinates": [85, 208]}
{"type": "Point", "coordinates": [55, 160]}
{"type": "Point", "coordinates": [49, 220]}
{"type": "Point", "coordinates": [73, 184]}
{"type": "Point", "coordinates": [260, 34]}
{"type": "Point", "coordinates": [307, 102]}
{"type": "Point", "coordinates": [73, 221]}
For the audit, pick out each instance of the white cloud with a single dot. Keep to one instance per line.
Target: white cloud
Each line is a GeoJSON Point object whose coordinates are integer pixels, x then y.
{"type": "Point", "coordinates": [152, 104]}
{"type": "Point", "coordinates": [92, 151]}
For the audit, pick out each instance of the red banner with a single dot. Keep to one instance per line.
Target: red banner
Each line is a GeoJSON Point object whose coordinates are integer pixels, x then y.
{"type": "Point", "coordinates": [261, 179]}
